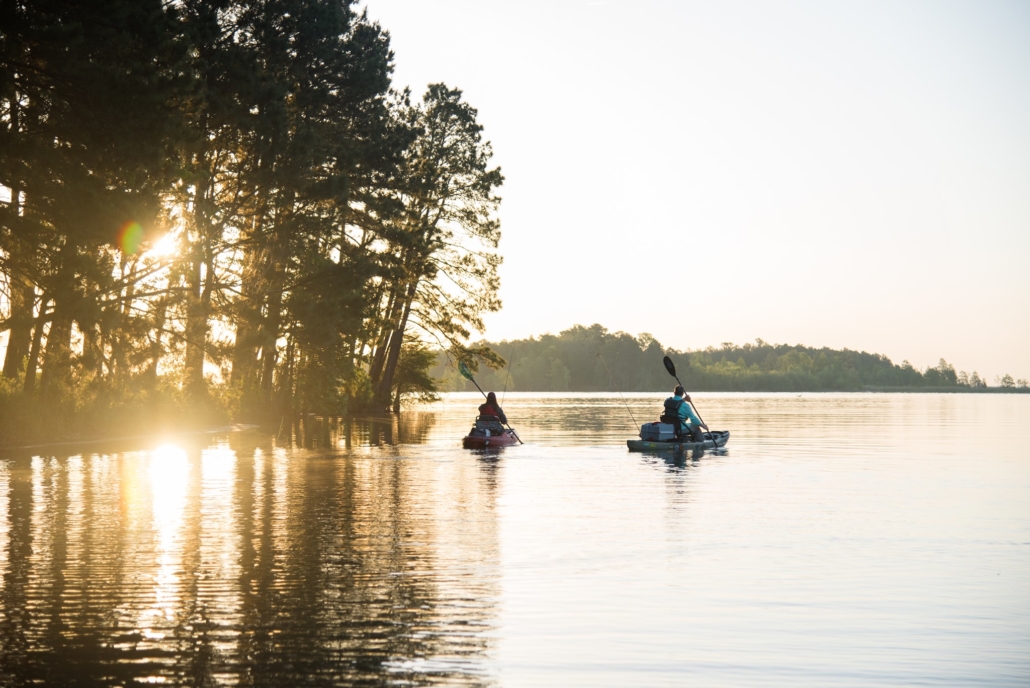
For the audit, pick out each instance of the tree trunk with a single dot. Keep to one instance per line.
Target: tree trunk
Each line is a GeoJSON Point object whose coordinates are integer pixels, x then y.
{"type": "Point", "coordinates": [57, 359]}
{"type": "Point", "coordinates": [379, 357]}
{"type": "Point", "coordinates": [118, 343]}
{"type": "Point", "coordinates": [92, 350]}
{"type": "Point", "coordinates": [270, 335]}
{"type": "Point", "coordinates": [286, 382]}
{"type": "Point", "coordinates": [23, 294]}
{"type": "Point", "coordinates": [32, 363]}
{"type": "Point", "coordinates": [198, 308]}
{"type": "Point", "coordinates": [199, 280]}
{"type": "Point", "coordinates": [394, 354]}
{"type": "Point", "coordinates": [157, 346]}
{"type": "Point", "coordinates": [248, 329]}
{"type": "Point", "coordinates": [364, 338]}
{"type": "Point", "coordinates": [23, 297]}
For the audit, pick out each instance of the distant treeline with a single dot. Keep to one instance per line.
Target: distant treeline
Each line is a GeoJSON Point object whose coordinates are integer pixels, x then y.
{"type": "Point", "coordinates": [570, 361]}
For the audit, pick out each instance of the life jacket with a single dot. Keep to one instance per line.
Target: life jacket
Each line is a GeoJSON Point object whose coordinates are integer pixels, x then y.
{"type": "Point", "coordinates": [672, 413]}
{"type": "Point", "coordinates": [672, 406]}
{"type": "Point", "coordinates": [488, 410]}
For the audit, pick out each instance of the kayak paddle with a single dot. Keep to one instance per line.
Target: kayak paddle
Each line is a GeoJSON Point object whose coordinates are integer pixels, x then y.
{"type": "Point", "coordinates": [467, 374]}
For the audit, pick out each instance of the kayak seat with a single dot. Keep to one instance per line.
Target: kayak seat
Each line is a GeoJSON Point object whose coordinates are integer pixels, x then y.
{"type": "Point", "coordinates": [491, 423]}
{"type": "Point", "coordinates": [674, 421]}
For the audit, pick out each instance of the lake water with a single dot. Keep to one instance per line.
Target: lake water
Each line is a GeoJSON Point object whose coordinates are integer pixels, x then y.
{"type": "Point", "coordinates": [840, 540]}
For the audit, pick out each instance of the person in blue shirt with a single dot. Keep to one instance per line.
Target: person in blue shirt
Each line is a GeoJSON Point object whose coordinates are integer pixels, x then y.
{"type": "Point", "coordinates": [678, 407]}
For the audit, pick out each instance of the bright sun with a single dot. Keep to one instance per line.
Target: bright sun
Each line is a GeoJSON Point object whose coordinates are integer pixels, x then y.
{"type": "Point", "coordinates": [165, 246]}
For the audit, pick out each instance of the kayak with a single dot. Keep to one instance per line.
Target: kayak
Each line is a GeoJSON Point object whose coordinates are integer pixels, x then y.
{"type": "Point", "coordinates": [662, 435]}
{"type": "Point", "coordinates": [713, 440]}
{"type": "Point", "coordinates": [489, 432]}
{"type": "Point", "coordinates": [505, 439]}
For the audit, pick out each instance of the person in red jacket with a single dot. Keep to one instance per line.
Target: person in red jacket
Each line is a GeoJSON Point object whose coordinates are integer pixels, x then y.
{"type": "Point", "coordinates": [492, 408]}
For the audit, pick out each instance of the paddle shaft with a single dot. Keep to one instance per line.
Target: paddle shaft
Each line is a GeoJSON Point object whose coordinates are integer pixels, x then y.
{"type": "Point", "coordinates": [479, 388]}
{"type": "Point", "coordinates": [484, 395]}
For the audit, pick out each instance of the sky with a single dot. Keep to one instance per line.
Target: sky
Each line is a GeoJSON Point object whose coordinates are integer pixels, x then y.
{"type": "Point", "coordinates": [823, 173]}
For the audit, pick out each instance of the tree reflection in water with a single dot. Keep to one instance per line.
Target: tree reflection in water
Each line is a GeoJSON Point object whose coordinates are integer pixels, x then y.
{"type": "Point", "coordinates": [319, 432]}
{"type": "Point", "coordinates": [244, 560]}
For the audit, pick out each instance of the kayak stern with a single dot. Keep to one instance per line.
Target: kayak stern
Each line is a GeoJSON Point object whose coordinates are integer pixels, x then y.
{"type": "Point", "coordinates": [505, 439]}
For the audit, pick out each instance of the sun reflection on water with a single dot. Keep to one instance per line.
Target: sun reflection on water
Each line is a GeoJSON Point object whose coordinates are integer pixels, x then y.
{"type": "Point", "coordinates": [5, 524]}
{"type": "Point", "coordinates": [219, 599]}
{"type": "Point", "coordinates": [169, 480]}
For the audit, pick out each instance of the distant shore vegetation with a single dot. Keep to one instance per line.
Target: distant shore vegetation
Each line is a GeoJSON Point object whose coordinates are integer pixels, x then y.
{"type": "Point", "coordinates": [579, 359]}
{"type": "Point", "coordinates": [226, 210]}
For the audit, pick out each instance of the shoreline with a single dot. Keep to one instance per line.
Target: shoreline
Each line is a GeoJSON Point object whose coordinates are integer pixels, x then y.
{"type": "Point", "coordinates": [218, 430]}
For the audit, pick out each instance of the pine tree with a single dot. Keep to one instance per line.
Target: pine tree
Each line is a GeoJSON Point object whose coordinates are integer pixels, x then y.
{"type": "Point", "coordinates": [447, 258]}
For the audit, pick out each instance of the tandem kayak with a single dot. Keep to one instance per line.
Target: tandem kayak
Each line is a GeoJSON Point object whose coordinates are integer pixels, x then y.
{"type": "Point", "coordinates": [713, 440]}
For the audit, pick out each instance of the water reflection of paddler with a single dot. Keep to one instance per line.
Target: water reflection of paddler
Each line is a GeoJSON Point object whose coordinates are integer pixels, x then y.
{"type": "Point", "coordinates": [679, 412]}
{"type": "Point", "coordinates": [492, 408]}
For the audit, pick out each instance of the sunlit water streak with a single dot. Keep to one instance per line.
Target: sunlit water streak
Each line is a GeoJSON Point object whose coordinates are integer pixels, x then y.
{"type": "Point", "coordinates": [841, 540]}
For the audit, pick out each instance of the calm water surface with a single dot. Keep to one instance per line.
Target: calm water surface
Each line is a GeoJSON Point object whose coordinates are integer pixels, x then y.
{"type": "Point", "coordinates": [841, 540]}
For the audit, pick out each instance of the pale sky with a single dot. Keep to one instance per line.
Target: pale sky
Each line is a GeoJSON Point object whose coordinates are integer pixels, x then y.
{"type": "Point", "coordinates": [825, 173]}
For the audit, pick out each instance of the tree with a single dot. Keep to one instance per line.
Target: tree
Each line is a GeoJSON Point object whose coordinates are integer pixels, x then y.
{"type": "Point", "coordinates": [943, 374]}
{"type": "Point", "coordinates": [447, 233]}
{"type": "Point", "coordinates": [322, 145]}
{"type": "Point", "coordinates": [413, 380]}
{"type": "Point", "coordinates": [87, 97]}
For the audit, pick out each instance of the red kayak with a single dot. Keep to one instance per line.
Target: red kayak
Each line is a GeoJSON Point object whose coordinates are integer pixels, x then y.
{"type": "Point", "coordinates": [505, 439]}
{"type": "Point", "coordinates": [488, 432]}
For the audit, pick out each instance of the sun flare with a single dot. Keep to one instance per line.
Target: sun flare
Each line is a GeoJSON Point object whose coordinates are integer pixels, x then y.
{"type": "Point", "coordinates": [164, 247]}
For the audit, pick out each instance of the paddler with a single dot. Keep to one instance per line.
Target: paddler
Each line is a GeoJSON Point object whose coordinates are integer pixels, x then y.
{"type": "Point", "coordinates": [492, 408]}
{"type": "Point", "coordinates": [678, 406]}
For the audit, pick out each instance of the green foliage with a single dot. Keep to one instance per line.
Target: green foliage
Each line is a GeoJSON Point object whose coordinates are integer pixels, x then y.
{"type": "Point", "coordinates": [575, 361]}
{"type": "Point", "coordinates": [413, 381]}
